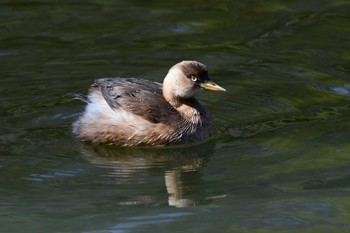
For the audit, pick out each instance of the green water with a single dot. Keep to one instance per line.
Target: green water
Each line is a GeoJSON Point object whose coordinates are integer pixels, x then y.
{"type": "Point", "coordinates": [280, 161]}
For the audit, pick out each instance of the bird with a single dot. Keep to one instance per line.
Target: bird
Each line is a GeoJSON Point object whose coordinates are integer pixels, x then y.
{"type": "Point", "coordinates": [139, 112]}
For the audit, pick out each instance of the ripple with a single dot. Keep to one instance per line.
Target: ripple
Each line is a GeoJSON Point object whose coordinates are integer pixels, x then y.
{"type": "Point", "coordinates": [130, 224]}
{"type": "Point", "coordinates": [343, 90]}
{"type": "Point", "coordinates": [5, 53]}
{"type": "Point", "coordinates": [340, 90]}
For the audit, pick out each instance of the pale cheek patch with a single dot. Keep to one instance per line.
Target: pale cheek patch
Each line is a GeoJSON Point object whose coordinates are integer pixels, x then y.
{"type": "Point", "coordinates": [176, 79]}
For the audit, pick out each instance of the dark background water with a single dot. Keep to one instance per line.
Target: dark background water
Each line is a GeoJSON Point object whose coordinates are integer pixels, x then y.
{"type": "Point", "coordinates": [280, 162]}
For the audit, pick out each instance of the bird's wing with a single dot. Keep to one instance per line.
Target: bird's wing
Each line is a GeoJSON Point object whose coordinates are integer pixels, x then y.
{"type": "Point", "coordinates": [140, 97]}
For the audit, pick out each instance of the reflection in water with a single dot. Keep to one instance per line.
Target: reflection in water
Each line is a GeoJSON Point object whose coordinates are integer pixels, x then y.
{"type": "Point", "coordinates": [181, 168]}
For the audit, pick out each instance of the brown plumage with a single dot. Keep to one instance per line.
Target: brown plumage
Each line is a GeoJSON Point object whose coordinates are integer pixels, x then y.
{"type": "Point", "coordinates": [138, 112]}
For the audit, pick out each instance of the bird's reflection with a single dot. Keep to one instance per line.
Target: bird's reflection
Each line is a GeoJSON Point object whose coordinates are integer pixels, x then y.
{"type": "Point", "coordinates": [181, 168]}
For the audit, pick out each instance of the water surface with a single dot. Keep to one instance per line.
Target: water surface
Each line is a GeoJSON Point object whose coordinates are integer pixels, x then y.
{"type": "Point", "coordinates": [280, 161]}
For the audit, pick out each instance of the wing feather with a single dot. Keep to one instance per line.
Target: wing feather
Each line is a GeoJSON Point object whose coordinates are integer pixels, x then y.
{"type": "Point", "coordinates": [138, 96]}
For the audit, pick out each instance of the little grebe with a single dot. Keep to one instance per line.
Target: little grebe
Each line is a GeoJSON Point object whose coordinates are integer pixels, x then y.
{"type": "Point", "coordinates": [137, 112]}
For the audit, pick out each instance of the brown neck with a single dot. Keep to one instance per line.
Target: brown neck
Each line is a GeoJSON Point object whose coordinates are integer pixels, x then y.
{"type": "Point", "coordinates": [191, 110]}
{"type": "Point", "coordinates": [169, 96]}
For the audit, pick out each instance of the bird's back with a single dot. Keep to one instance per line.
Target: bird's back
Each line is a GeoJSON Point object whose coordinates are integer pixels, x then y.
{"type": "Point", "coordinates": [138, 96]}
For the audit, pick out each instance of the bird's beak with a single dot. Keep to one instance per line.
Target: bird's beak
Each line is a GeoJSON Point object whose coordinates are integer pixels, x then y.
{"type": "Point", "coordinates": [210, 85]}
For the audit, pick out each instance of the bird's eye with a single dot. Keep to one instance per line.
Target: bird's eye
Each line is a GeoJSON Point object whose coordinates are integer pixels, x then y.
{"type": "Point", "coordinates": [194, 78]}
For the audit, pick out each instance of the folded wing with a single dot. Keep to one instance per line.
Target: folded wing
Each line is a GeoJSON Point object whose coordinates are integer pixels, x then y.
{"type": "Point", "coordinates": [140, 97]}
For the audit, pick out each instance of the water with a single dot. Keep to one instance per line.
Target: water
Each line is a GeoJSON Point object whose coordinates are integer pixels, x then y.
{"type": "Point", "coordinates": [280, 161]}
